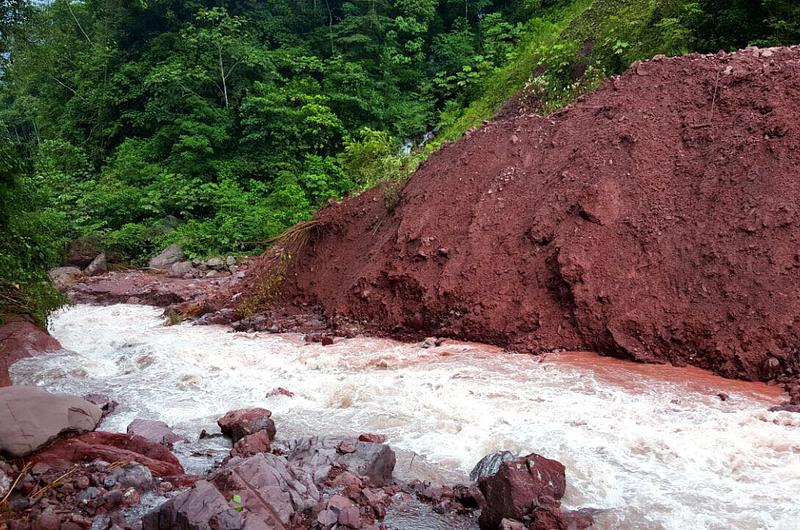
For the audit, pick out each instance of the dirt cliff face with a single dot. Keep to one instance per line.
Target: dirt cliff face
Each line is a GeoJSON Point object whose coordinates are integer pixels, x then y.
{"type": "Point", "coordinates": [656, 219]}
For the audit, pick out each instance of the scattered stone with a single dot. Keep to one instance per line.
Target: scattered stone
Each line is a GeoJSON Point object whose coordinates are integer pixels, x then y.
{"type": "Point", "coordinates": [326, 340]}
{"type": "Point", "coordinates": [239, 423]}
{"type": "Point", "coordinates": [166, 258]}
{"type": "Point", "coordinates": [179, 269]}
{"type": "Point", "coordinates": [230, 261]}
{"type": "Point", "coordinates": [65, 277]}
{"type": "Point", "coordinates": [215, 263]}
{"type": "Point", "coordinates": [372, 438]}
{"type": "Point", "coordinates": [31, 418]}
{"type": "Point", "coordinates": [279, 391]}
{"type": "Point", "coordinates": [723, 396]}
{"type": "Point", "coordinates": [155, 431]}
{"type": "Point", "coordinates": [319, 454]}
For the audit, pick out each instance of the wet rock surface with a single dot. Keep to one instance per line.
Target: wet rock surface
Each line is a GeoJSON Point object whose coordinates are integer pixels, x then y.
{"type": "Point", "coordinates": [155, 431]}
{"type": "Point", "coordinates": [31, 418]}
{"type": "Point", "coordinates": [20, 339]}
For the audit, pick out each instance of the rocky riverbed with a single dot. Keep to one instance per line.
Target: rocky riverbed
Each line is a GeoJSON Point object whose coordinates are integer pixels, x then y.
{"type": "Point", "coordinates": [642, 446]}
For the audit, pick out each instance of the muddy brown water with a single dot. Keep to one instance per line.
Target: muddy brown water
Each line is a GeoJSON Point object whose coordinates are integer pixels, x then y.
{"type": "Point", "coordinates": [654, 446]}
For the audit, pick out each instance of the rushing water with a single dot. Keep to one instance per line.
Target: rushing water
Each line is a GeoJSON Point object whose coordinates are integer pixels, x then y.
{"type": "Point", "coordinates": [656, 448]}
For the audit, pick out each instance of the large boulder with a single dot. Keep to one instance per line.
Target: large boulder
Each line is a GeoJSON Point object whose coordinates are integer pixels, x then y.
{"type": "Point", "coordinates": [154, 431]}
{"type": "Point", "coordinates": [112, 447]}
{"type": "Point", "coordinates": [520, 488]}
{"type": "Point", "coordinates": [65, 277]}
{"type": "Point", "coordinates": [97, 266]}
{"type": "Point", "coordinates": [20, 339]}
{"type": "Point", "coordinates": [317, 455]}
{"type": "Point", "coordinates": [243, 422]}
{"type": "Point", "coordinates": [167, 257]}
{"type": "Point", "coordinates": [30, 418]}
{"type": "Point", "coordinates": [270, 488]}
{"type": "Point", "coordinates": [200, 508]}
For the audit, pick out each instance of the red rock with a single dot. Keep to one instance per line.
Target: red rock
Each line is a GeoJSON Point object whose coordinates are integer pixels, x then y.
{"type": "Point", "coordinates": [252, 444]}
{"type": "Point", "coordinates": [326, 340]}
{"type": "Point", "coordinates": [47, 520]}
{"type": "Point", "coordinates": [239, 423]}
{"type": "Point", "coordinates": [518, 487]}
{"type": "Point", "coordinates": [372, 438]}
{"type": "Point", "coordinates": [112, 447]}
{"type": "Point", "coordinates": [20, 339]}
{"type": "Point", "coordinates": [279, 391]}
{"type": "Point", "coordinates": [346, 447]}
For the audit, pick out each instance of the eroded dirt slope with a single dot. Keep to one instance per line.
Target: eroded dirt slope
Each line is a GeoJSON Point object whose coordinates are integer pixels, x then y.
{"type": "Point", "coordinates": [655, 219]}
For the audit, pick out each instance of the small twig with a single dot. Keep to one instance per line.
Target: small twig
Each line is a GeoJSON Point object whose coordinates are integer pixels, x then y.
{"type": "Point", "coordinates": [714, 99]}
{"type": "Point", "coordinates": [22, 473]}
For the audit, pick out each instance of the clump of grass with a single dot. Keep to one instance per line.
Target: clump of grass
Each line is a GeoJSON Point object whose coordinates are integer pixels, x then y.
{"type": "Point", "coordinates": [271, 271]}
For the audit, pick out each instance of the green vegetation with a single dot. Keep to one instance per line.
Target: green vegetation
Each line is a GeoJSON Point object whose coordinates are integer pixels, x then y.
{"type": "Point", "coordinates": [218, 125]}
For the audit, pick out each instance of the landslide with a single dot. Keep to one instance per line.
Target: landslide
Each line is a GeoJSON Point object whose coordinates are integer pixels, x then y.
{"type": "Point", "coordinates": [655, 219]}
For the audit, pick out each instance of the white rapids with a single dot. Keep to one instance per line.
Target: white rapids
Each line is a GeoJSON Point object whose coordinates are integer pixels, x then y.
{"type": "Point", "coordinates": [655, 453]}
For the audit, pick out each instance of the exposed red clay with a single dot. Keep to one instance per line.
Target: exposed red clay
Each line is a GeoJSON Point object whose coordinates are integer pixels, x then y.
{"type": "Point", "coordinates": [656, 219]}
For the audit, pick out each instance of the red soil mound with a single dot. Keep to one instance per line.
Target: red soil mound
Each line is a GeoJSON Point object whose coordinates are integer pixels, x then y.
{"type": "Point", "coordinates": [657, 218]}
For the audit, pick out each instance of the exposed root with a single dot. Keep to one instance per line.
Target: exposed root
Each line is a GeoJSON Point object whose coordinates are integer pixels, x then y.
{"type": "Point", "coordinates": [275, 262]}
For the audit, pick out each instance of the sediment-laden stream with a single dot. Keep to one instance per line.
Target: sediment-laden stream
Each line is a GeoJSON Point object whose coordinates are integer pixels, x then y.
{"type": "Point", "coordinates": [655, 447]}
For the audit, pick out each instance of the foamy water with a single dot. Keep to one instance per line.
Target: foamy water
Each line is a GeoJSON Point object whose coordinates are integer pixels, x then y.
{"type": "Point", "coordinates": [655, 453]}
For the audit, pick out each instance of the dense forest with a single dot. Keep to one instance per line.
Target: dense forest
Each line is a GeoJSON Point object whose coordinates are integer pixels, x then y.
{"type": "Point", "coordinates": [133, 124]}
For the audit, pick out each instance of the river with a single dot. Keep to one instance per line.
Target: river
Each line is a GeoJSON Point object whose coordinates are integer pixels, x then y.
{"type": "Point", "coordinates": [653, 446]}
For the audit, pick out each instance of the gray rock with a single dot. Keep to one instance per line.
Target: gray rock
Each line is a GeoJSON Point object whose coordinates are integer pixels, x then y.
{"type": "Point", "coordinates": [167, 257]}
{"type": "Point", "coordinates": [215, 263]}
{"type": "Point", "coordinates": [271, 488]}
{"type": "Point", "coordinates": [201, 508]}
{"type": "Point", "coordinates": [5, 483]}
{"type": "Point", "coordinates": [155, 431]}
{"type": "Point", "coordinates": [181, 268]}
{"type": "Point", "coordinates": [316, 455]}
{"type": "Point", "coordinates": [230, 261]}
{"type": "Point", "coordinates": [30, 418]}
{"type": "Point", "coordinates": [65, 277]}
{"type": "Point", "coordinates": [489, 464]}
{"type": "Point", "coordinates": [97, 266]}
{"type": "Point", "coordinates": [134, 476]}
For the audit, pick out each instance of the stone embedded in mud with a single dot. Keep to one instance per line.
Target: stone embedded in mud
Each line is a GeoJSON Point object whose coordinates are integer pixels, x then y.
{"type": "Point", "coordinates": [31, 418]}
{"type": "Point", "coordinates": [201, 508]}
{"type": "Point", "coordinates": [489, 464]}
{"type": "Point", "coordinates": [239, 423]}
{"type": "Point", "coordinates": [154, 431]}
{"type": "Point", "coordinates": [319, 454]}
{"type": "Point", "coordinates": [519, 487]}
{"type": "Point", "coordinates": [270, 488]}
